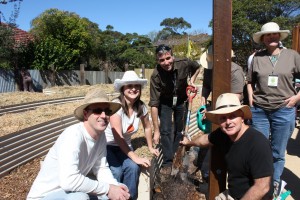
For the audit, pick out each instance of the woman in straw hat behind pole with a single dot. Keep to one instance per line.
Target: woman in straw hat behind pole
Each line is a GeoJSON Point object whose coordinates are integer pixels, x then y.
{"type": "Point", "coordinates": [272, 96]}
{"type": "Point", "coordinates": [122, 160]}
{"type": "Point", "coordinates": [248, 153]}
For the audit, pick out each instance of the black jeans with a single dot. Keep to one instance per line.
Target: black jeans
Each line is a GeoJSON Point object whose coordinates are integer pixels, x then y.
{"type": "Point", "coordinates": [171, 135]}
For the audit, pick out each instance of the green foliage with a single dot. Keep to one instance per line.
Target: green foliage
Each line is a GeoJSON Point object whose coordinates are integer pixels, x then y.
{"type": "Point", "coordinates": [175, 25]}
{"type": "Point", "coordinates": [62, 39]}
{"type": "Point", "coordinates": [117, 50]}
{"type": "Point", "coordinates": [249, 15]}
{"type": "Point", "coordinates": [172, 27]}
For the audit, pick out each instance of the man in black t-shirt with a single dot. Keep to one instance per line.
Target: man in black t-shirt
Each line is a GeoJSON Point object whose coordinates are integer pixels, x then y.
{"type": "Point", "coordinates": [248, 153]}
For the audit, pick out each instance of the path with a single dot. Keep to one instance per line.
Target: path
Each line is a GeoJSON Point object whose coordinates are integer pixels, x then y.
{"type": "Point", "coordinates": [291, 173]}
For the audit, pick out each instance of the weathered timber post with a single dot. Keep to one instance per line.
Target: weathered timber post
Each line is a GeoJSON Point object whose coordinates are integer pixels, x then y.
{"type": "Point", "coordinates": [106, 72]}
{"type": "Point", "coordinates": [143, 71]}
{"type": "Point", "coordinates": [82, 74]}
{"type": "Point", "coordinates": [52, 75]}
{"type": "Point", "coordinates": [222, 40]}
{"type": "Point", "coordinates": [296, 38]}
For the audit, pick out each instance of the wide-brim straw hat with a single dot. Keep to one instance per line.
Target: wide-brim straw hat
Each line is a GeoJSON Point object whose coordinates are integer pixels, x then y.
{"type": "Point", "coordinates": [206, 59]}
{"type": "Point", "coordinates": [95, 96]}
{"type": "Point", "coordinates": [129, 77]}
{"type": "Point", "coordinates": [225, 104]}
{"type": "Point", "coordinates": [270, 27]}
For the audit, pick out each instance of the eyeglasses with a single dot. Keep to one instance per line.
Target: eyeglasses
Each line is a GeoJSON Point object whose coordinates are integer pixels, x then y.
{"type": "Point", "coordinates": [99, 111]}
{"type": "Point", "coordinates": [162, 49]}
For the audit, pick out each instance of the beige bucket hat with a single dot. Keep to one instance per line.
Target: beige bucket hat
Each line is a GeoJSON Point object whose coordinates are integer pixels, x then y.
{"type": "Point", "coordinates": [225, 104]}
{"type": "Point", "coordinates": [129, 77]}
{"type": "Point", "coordinates": [92, 97]}
{"type": "Point", "coordinates": [206, 59]}
{"type": "Point", "coordinates": [270, 27]}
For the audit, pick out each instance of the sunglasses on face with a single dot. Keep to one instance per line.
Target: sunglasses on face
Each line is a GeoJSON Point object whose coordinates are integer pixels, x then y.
{"type": "Point", "coordinates": [99, 111]}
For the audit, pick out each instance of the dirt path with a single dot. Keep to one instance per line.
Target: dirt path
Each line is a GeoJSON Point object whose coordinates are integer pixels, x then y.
{"type": "Point", "coordinates": [291, 173]}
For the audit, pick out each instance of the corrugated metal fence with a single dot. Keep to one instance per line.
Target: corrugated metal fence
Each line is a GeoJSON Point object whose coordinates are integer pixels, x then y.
{"type": "Point", "coordinates": [42, 79]}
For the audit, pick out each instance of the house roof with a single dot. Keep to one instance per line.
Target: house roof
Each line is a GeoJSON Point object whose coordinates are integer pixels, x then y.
{"type": "Point", "coordinates": [20, 36]}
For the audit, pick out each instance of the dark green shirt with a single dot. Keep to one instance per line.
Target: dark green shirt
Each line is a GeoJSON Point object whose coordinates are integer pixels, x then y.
{"type": "Point", "coordinates": [162, 82]}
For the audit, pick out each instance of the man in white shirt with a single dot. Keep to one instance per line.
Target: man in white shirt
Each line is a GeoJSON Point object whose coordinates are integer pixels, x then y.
{"type": "Point", "coordinates": [80, 151]}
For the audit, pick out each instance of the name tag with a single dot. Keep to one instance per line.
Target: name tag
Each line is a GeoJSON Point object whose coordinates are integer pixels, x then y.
{"type": "Point", "coordinates": [273, 81]}
{"type": "Point", "coordinates": [174, 100]}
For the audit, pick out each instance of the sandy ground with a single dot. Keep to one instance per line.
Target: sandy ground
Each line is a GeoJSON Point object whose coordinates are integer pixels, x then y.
{"type": "Point", "coordinates": [291, 173]}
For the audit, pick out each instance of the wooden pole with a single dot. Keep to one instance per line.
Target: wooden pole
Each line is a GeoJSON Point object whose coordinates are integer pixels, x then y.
{"type": "Point", "coordinates": [53, 75]}
{"type": "Point", "coordinates": [296, 38]}
{"type": "Point", "coordinates": [222, 39]}
{"type": "Point", "coordinates": [82, 74]}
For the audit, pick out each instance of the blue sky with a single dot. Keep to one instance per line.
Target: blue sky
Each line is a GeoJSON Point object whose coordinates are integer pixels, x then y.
{"type": "Point", "coordinates": [126, 16]}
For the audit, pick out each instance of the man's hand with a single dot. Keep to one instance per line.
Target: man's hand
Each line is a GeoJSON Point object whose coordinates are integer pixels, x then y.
{"type": "Point", "coordinates": [142, 161]}
{"type": "Point", "coordinates": [185, 141]}
{"type": "Point", "coordinates": [156, 137]}
{"type": "Point", "coordinates": [120, 192]}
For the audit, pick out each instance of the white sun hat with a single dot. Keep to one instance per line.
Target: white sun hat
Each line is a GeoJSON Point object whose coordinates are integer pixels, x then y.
{"type": "Point", "coordinates": [129, 77]}
{"type": "Point", "coordinates": [225, 104]}
{"type": "Point", "coordinates": [270, 27]}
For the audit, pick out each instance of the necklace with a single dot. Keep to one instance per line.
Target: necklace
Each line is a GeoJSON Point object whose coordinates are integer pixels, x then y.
{"type": "Point", "coordinates": [274, 58]}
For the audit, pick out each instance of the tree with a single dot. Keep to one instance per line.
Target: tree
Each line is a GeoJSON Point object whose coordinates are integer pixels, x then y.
{"type": "Point", "coordinates": [173, 26]}
{"type": "Point", "coordinates": [249, 15]}
{"type": "Point", "coordinates": [63, 39]}
{"type": "Point", "coordinates": [8, 46]}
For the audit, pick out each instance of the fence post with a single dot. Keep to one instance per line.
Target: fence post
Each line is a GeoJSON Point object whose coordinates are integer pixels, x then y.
{"type": "Point", "coordinates": [82, 74]}
{"type": "Point", "coordinates": [52, 75]}
{"type": "Point", "coordinates": [106, 72]}
{"type": "Point", "coordinates": [143, 71]}
{"type": "Point", "coordinates": [296, 38]}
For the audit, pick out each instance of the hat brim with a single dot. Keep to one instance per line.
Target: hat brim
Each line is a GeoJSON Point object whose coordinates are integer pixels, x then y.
{"type": "Point", "coordinates": [113, 106]}
{"type": "Point", "coordinates": [203, 61]}
{"type": "Point", "coordinates": [213, 115]}
{"type": "Point", "coordinates": [118, 84]}
{"type": "Point", "coordinates": [257, 36]}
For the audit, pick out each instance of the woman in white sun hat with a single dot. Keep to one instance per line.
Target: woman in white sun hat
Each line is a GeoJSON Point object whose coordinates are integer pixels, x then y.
{"type": "Point", "coordinates": [271, 91]}
{"type": "Point", "coordinates": [123, 162]}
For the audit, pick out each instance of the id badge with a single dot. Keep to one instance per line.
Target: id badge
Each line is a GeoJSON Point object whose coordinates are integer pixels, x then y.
{"type": "Point", "coordinates": [273, 81]}
{"type": "Point", "coordinates": [174, 100]}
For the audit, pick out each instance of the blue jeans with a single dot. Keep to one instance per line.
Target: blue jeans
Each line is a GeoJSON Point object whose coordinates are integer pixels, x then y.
{"type": "Point", "coordinates": [170, 140]}
{"type": "Point", "coordinates": [63, 195]}
{"type": "Point", "coordinates": [277, 126]}
{"type": "Point", "coordinates": [124, 169]}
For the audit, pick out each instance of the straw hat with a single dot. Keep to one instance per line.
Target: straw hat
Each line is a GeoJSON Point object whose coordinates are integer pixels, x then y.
{"type": "Point", "coordinates": [270, 27]}
{"type": "Point", "coordinates": [227, 103]}
{"type": "Point", "coordinates": [206, 59]}
{"type": "Point", "coordinates": [129, 77]}
{"type": "Point", "coordinates": [92, 97]}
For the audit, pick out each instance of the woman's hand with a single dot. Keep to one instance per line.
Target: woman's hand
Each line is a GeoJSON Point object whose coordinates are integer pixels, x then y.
{"type": "Point", "coordinates": [291, 102]}
{"type": "Point", "coordinates": [154, 151]}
